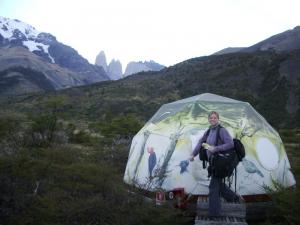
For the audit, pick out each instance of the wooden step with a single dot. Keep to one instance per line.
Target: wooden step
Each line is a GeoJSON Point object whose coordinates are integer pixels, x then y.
{"type": "Point", "coordinates": [232, 213]}
{"type": "Point", "coordinates": [225, 220]}
{"type": "Point", "coordinates": [228, 209]}
{"type": "Point", "coordinates": [204, 198]}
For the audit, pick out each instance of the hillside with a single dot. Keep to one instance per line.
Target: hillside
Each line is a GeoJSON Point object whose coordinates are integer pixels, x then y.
{"type": "Point", "coordinates": [285, 41]}
{"type": "Point", "coordinates": [72, 145]}
{"type": "Point", "coordinates": [267, 80]}
{"type": "Point", "coordinates": [63, 153]}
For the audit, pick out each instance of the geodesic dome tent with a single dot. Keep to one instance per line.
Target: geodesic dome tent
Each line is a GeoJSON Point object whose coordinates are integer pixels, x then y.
{"type": "Point", "coordinates": [159, 153]}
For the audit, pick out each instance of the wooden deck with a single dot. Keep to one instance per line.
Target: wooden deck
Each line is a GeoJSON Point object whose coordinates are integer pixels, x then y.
{"type": "Point", "coordinates": [233, 213]}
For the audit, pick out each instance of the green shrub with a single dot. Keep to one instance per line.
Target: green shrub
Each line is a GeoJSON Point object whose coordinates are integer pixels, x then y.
{"type": "Point", "coordinates": [119, 127]}
{"type": "Point", "coordinates": [40, 187]}
{"type": "Point", "coordinates": [42, 129]}
{"type": "Point", "coordinates": [286, 210]}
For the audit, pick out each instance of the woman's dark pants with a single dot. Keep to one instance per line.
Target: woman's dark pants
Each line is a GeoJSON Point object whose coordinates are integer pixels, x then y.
{"type": "Point", "coordinates": [216, 189]}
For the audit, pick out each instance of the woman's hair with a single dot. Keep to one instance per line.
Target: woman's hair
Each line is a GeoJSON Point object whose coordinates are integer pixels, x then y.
{"type": "Point", "coordinates": [213, 112]}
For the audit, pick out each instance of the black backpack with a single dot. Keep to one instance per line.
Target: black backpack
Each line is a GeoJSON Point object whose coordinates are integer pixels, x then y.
{"type": "Point", "coordinates": [239, 149]}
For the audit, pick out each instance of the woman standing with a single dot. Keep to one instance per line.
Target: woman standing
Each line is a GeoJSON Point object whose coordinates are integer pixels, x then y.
{"type": "Point", "coordinates": [209, 142]}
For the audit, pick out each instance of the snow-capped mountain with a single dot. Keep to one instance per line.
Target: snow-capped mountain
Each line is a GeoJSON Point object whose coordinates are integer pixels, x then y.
{"type": "Point", "coordinates": [14, 29]}
{"type": "Point", "coordinates": [19, 35]}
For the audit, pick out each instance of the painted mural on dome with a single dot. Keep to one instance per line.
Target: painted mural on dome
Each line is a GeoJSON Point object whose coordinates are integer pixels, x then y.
{"type": "Point", "coordinates": [159, 153]}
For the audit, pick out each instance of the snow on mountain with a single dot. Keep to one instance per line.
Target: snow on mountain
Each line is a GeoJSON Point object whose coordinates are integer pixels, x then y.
{"type": "Point", "coordinates": [8, 26]}
{"type": "Point", "coordinates": [27, 34]}
{"type": "Point", "coordinates": [34, 46]}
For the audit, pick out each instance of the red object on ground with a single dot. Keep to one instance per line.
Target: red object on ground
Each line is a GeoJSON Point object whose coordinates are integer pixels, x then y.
{"type": "Point", "coordinates": [180, 198]}
{"type": "Point", "coordinates": [160, 197]}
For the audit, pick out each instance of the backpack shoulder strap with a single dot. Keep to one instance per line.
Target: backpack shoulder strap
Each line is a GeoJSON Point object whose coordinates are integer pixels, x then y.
{"type": "Point", "coordinates": [206, 135]}
{"type": "Point", "coordinates": [218, 139]}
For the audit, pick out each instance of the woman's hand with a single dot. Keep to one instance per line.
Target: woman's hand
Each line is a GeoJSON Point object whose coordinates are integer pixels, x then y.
{"type": "Point", "coordinates": [191, 158]}
{"type": "Point", "coordinates": [208, 147]}
{"type": "Point", "coordinates": [211, 148]}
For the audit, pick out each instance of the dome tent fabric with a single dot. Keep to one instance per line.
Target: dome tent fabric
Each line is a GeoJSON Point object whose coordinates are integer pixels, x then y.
{"type": "Point", "coordinates": [158, 158]}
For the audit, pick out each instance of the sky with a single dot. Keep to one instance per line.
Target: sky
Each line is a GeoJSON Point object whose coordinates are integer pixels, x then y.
{"type": "Point", "coordinates": [166, 31]}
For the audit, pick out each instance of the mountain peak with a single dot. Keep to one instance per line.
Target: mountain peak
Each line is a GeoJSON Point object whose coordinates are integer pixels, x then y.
{"type": "Point", "coordinates": [136, 67]}
{"type": "Point", "coordinates": [115, 69]}
{"type": "Point", "coordinates": [101, 60]}
{"type": "Point", "coordinates": [228, 50]}
{"type": "Point", "coordinates": [8, 26]}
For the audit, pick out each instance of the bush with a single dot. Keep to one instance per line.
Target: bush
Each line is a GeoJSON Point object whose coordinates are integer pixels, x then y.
{"type": "Point", "coordinates": [62, 186]}
{"type": "Point", "coordinates": [120, 127]}
{"type": "Point", "coordinates": [286, 210]}
{"type": "Point", "coordinates": [42, 129]}
{"type": "Point", "coordinates": [12, 134]}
